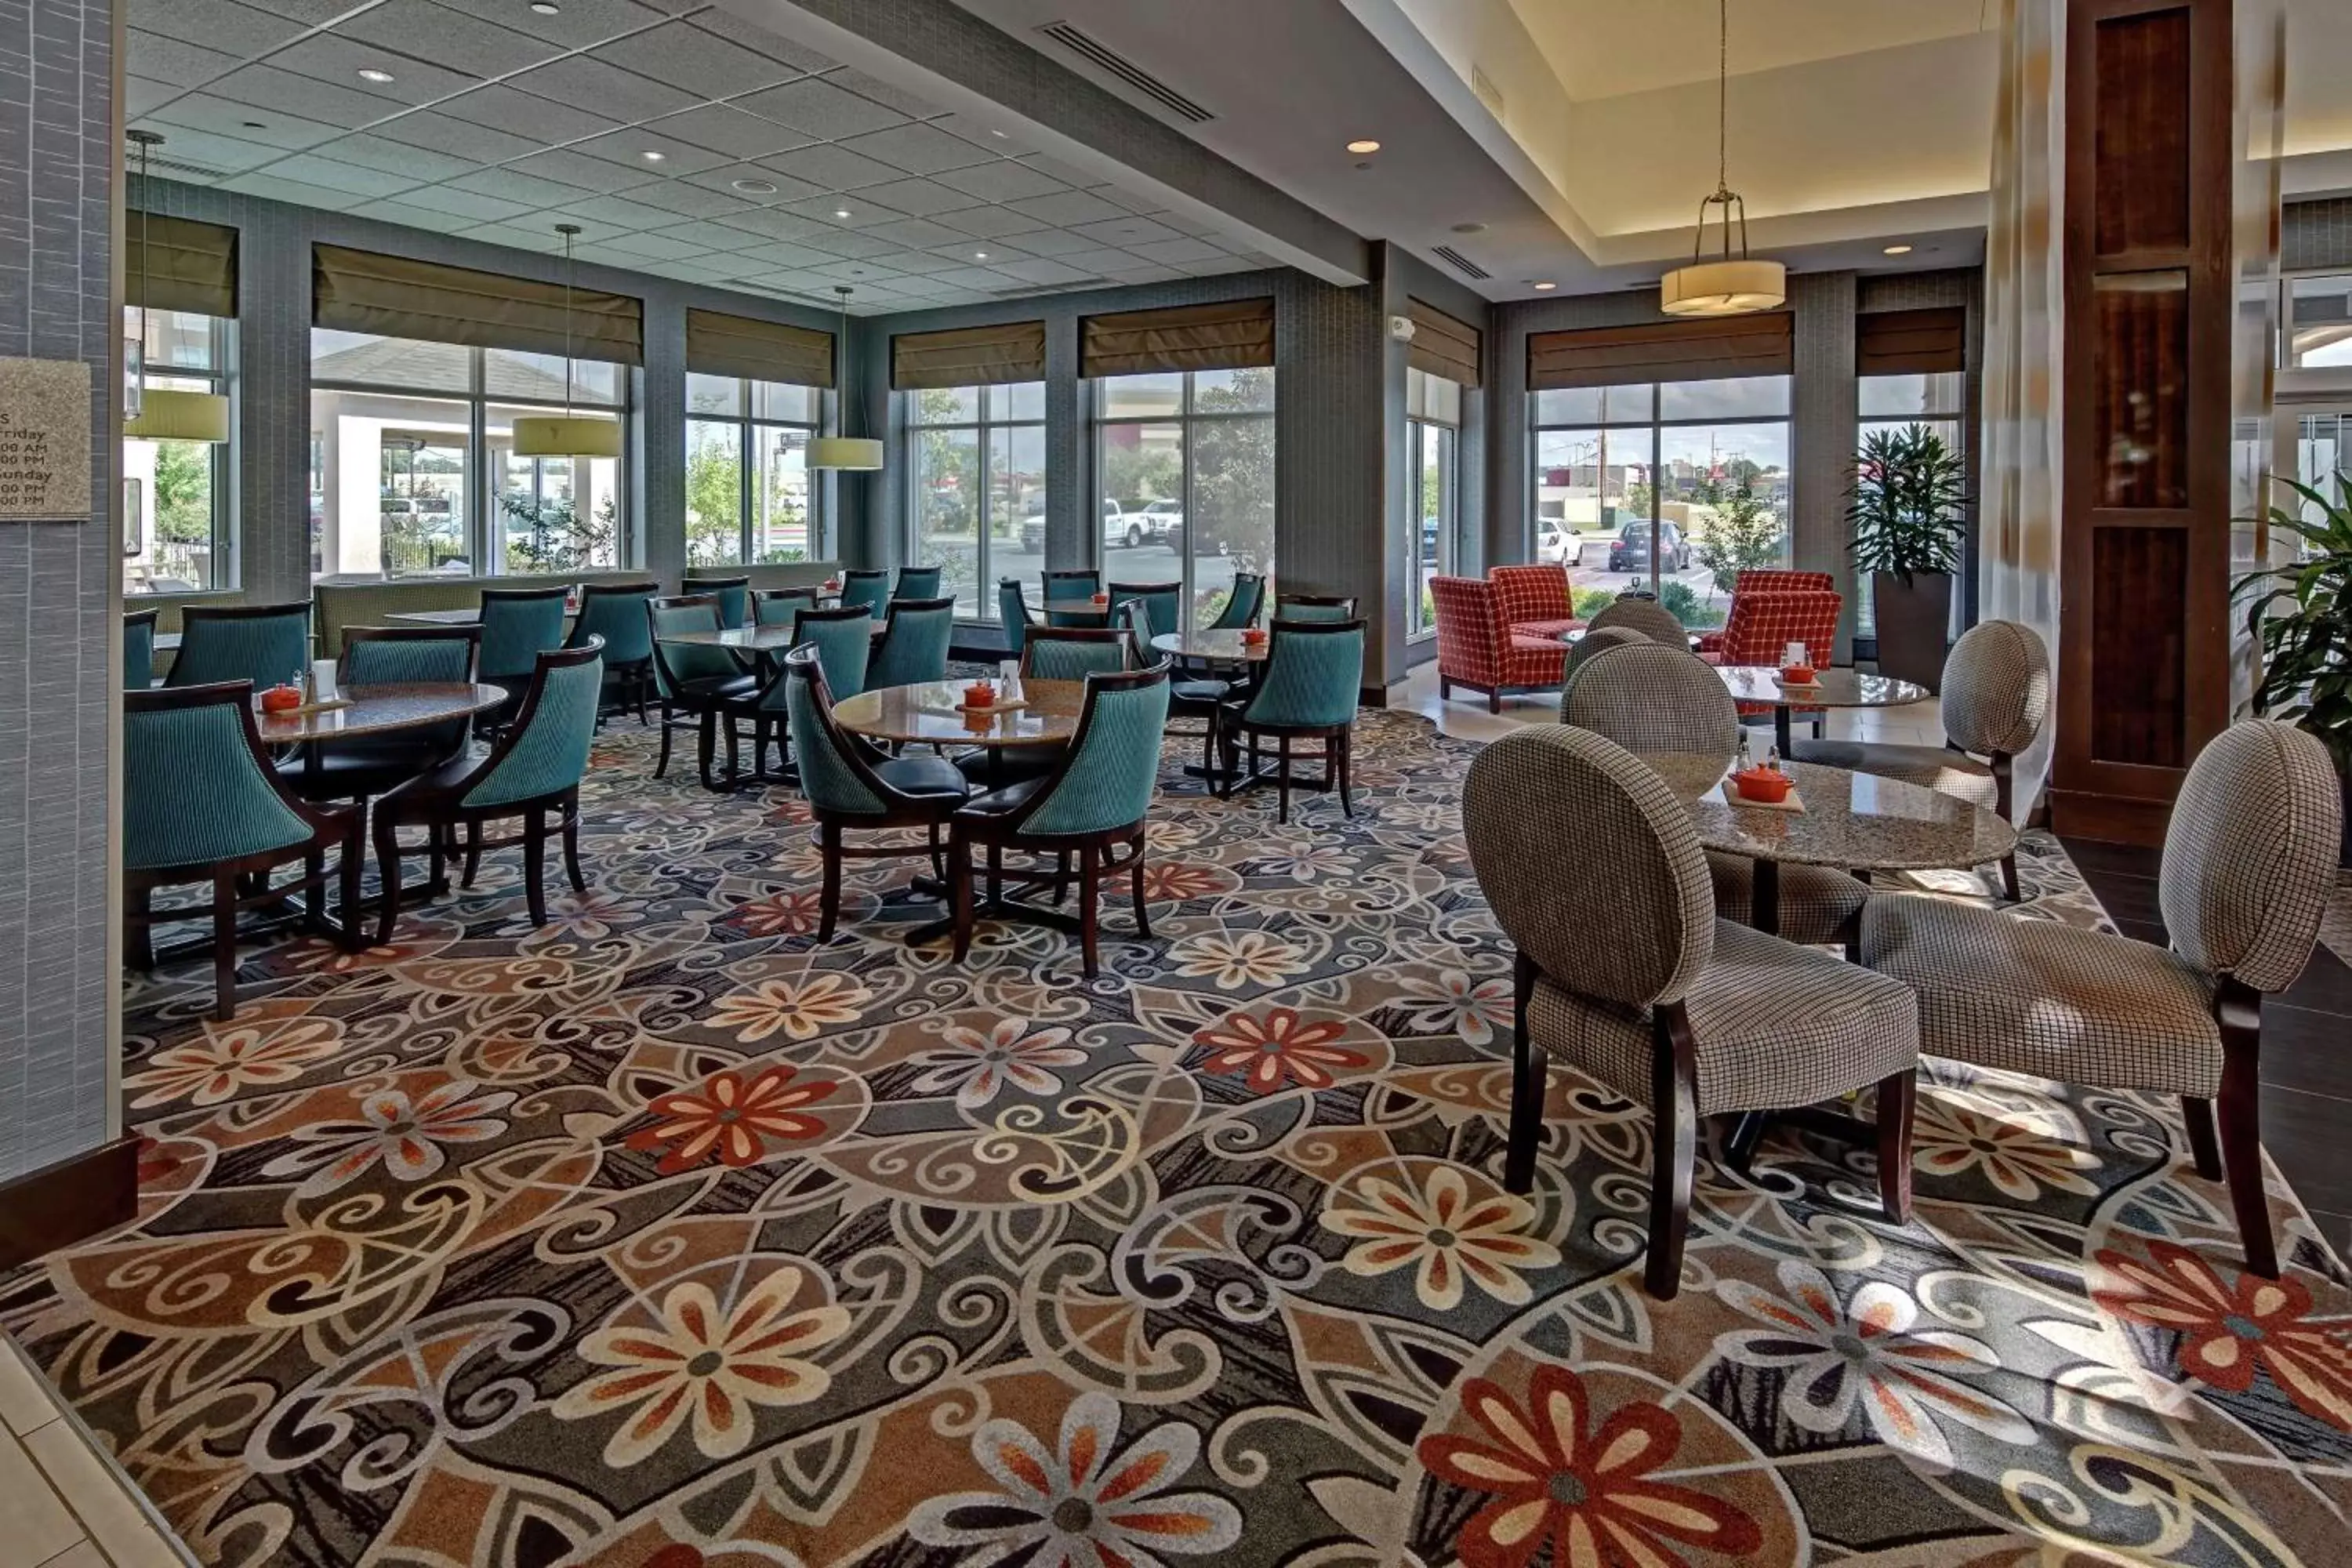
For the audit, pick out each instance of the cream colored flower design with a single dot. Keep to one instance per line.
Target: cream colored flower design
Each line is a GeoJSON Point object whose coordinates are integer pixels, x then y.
{"type": "Point", "coordinates": [976, 1066]}
{"type": "Point", "coordinates": [249, 1056]}
{"type": "Point", "coordinates": [713, 1366]}
{"type": "Point", "coordinates": [2017, 1158]}
{"type": "Point", "coordinates": [1245, 958]}
{"type": "Point", "coordinates": [1459, 1006]}
{"type": "Point", "coordinates": [800, 1011]}
{"type": "Point", "coordinates": [405, 1135]}
{"type": "Point", "coordinates": [1445, 1235]}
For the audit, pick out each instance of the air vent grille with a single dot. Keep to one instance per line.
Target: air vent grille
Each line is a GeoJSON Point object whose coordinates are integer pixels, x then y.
{"type": "Point", "coordinates": [1111, 62]}
{"type": "Point", "coordinates": [1460, 263]}
{"type": "Point", "coordinates": [1488, 93]}
{"type": "Point", "coordinates": [177, 166]}
{"type": "Point", "coordinates": [1026, 291]}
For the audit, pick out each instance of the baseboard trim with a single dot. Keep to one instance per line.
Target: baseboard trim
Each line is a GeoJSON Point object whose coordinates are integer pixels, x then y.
{"type": "Point", "coordinates": [2111, 818]}
{"type": "Point", "coordinates": [73, 1200]}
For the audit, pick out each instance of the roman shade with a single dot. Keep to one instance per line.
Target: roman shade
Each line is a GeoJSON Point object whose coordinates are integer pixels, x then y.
{"type": "Point", "coordinates": [720, 344]}
{"type": "Point", "coordinates": [395, 296]}
{"type": "Point", "coordinates": [1911, 343]}
{"type": "Point", "coordinates": [1443, 346]}
{"type": "Point", "coordinates": [178, 264]}
{"type": "Point", "coordinates": [969, 356]}
{"type": "Point", "coordinates": [1710, 350]}
{"type": "Point", "coordinates": [1237, 334]}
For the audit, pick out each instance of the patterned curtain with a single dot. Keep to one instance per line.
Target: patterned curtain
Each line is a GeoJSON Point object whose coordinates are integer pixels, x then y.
{"type": "Point", "coordinates": [2023, 302]}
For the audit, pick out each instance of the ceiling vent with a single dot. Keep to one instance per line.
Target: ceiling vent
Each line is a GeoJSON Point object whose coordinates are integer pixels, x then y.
{"type": "Point", "coordinates": [178, 166]}
{"type": "Point", "coordinates": [1488, 93]}
{"type": "Point", "coordinates": [1460, 263]}
{"type": "Point", "coordinates": [1026, 290]}
{"type": "Point", "coordinates": [1111, 63]}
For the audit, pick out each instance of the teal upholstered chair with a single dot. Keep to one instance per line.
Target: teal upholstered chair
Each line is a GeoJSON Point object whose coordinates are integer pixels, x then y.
{"type": "Point", "coordinates": [1074, 585]}
{"type": "Point", "coordinates": [535, 768]}
{"type": "Point", "coordinates": [518, 626]}
{"type": "Point", "coordinates": [1072, 653]}
{"type": "Point", "coordinates": [866, 586]}
{"type": "Point", "coordinates": [849, 784]}
{"type": "Point", "coordinates": [777, 606]}
{"type": "Point", "coordinates": [914, 646]}
{"type": "Point", "coordinates": [139, 649]}
{"type": "Point", "coordinates": [1241, 605]}
{"type": "Point", "coordinates": [1163, 601]}
{"type": "Point", "coordinates": [201, 803]}
{"type": "Point", "coordinates": [843, 640]}
{"type": "Point", "coordinates": [694, 683]}
{"type": "Point", "coordinates": [1306, 689]}
{"type": "Point", "coordinates": [1315, 607]}
{"type": "Point", "coordinates": [1092, 805]}
{"type": "Point", "coordinates": [1191, 695]}
{"type": "Point", "coordinates": [614, 615]}
{"type": "Point", "coordinates": [370, 765]}
{"type": "Point", "coordinates": [1013, 610]}
{"type": "Point", "coordinates": [268, 645]}
{"type": "Point", "coordinates": [733, 594]}
{"type": "Point", "coordinates": [916, 582]}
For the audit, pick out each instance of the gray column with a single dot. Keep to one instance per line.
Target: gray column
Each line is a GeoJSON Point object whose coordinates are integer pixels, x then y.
{"type": "Point", "coordinates": [657, 488]}
{"type": "Point", "coordinates": [1822, 416]}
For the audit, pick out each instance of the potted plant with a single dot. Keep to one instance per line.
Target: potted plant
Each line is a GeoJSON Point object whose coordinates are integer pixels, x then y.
{"type": "Point", "coordinates": [1907, 509]}
{"type": "Point", "coordinates": [2300, 612]}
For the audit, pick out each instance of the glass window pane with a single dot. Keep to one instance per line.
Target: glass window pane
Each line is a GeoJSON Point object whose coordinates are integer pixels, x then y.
{"type": "Point", "coordinates": [389, 482]}
{"type": "Point", "coordinates": [364, 360]}
{"type": "Point", "coordinates": [713, 394]}
{"type": "Point", "coordinates": [1142, 396]}
{"type": "Point", "coordinates": [2319, 320]}
{"type": "Point", "coordinates": [168, 517]}
{"type": "Point", "coordinates": [1431, 397]}
{"type": "Point", "coordinates": [786, 404]}
{"type": "Point", "coordinates": [1016, 508]}
{"type": "Point", "coordinates": [554, 514]}
{"type": "Point", "coordinates": [1017, 400]}
{"type": "Point", "coordinates": [1737, 397]}
{"type": "Point", "coordinates": [1723, 507]}
{"type": "Point", "coordinates": [944, 405]}
{"type": "Point", "coordinates": [507, 373]}
{"type": "Point", "coordinates": [175, 340]}
{"type": "Point", "coordinates": [1596, 405]}
{"type": "Point", "coordinates": [1431, 545]}
{"type": "Point", "coordinates": [1233, 390]}
{"type": "Point", "coordinates": [781, 498]}
{"type": "Point", "coordinates": [1913, 397]}
{"type": "Point", "coordinates": [714, 493]}
{"type": "Point", "coordinates": [1141, 464]}
{"type": "Point", "coordinates": [947, 489]}
{"type": "Point", "coordinates": [1232, 501]}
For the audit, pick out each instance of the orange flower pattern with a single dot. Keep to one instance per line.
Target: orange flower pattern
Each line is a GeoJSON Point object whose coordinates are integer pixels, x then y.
{"type": "Point", "coordinates": [1267, 1049]}
{"type": "Point", "coordinates": [735, 1116]}
{"type": "Point", "coordinates": [2229, 1328]}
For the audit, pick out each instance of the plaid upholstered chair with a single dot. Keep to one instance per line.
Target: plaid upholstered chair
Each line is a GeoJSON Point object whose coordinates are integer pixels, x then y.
{"type": "Point", "coordinates": [265, 645]}
{"type": "Point", "coordinates": [139, 649]}
{"type": "Point", "coordinates": [868, 586]}
{"type": "Point", "coordinates": [1624, 972]}
{"type": "Point", "coordinates": [2249, 862]}
{"type": "Point", "coordinates": [914, 647]}
{"type": "Point", "coordinates": [696, 683]}
{"type": "Point", "coordinates": [1756, 582]}
{"type": "Point", "coordinates": [518, 626]}
{"type": "Point", "coordinates": [1241, 605]}
{"type": "Point", "coordinates": [1996, 692]}
{"type": "Point", "coordinates": [1645, 616]}
{"type": "Point", "coordinates": [1759, 629]}
{"type": "Point", "coordinates": [613, 614]}
{"type": "Point", "coordinates": [1476, 648]}
{"type": "Point", "coordinates": [1535, 600]}
{"type": "Point", "coordinates": [1647, 697]}
{"type": "Point", "coordinates": [1306, 689]}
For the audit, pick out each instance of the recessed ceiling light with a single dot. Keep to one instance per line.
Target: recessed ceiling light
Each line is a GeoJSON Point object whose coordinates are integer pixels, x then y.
{"type": "Point", "coordinates": [545, 7]}
{"type": "Point", "coordinates": [1363, 146]}
{"type": "Point", "coordinates": [992, 131]}
{"type": "Point", "coordinates": [1898, 250]}
{"type": "Point", "coordinates": [254, 125]}
{"type": "Point", "coordinates": [1545, 288]}
{"type": "Point", "coordinates": [755, 188]}
{"type": "Point", "coordinates": [841, 212]}
{"type": "Point", "coordinates": [369, 73]}
{"type": "Point", "coordinates": [650, 156]}
{"type": "Point", "coordinates": [980, 256]}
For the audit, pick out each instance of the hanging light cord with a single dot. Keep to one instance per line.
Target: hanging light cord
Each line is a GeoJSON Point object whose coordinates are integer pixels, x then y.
{"type": "Point", "coordinates": [146, 257]}
{"type": "Point", "coordinates": [567, 230]}
{"type": "Point", "coordinates": [1723, 98]}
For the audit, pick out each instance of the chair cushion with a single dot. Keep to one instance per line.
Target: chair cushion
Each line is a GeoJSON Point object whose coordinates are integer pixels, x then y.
{"type": "Point", "coordinates": [1548, 631]}
{"type": "Point", "coordinates": [1818, 904]}
{"type": "Point", "coordinates": [988, 770]}
{"type": "Point", "coordinates": [1932, 767]}
{"type": "Point", "coordinates": [1003, 801]}
{"type": "Point", "coordinates": [1522, 642]}
{"type": "Point", "coordinates": [2056, 1001]}
{"type": "Point", "coordinates": [923, 775]}
{"type": "Point", "coordinates": [355, 769]}
{"type": "Point", "coordinates": [1773, 1026]}
{"type": "Point", "coordinates": [1211, 691]}
{"type": "Point", "coordinates": [719, 688]}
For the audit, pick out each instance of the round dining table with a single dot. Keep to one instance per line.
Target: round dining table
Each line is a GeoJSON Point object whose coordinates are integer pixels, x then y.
{"type": "Point", "coordinates": [1831, 688]}
{"type": "Point", "coordinates": [1085, 612]}
{"type": "Point", "coordinates": [928, 713]}
{"type": "Point", "coordinates": [1218, 645]}
{"type": "Point", "coordinates": [359, 710]}
{"type": "Point", "coordinates": [776, 637]}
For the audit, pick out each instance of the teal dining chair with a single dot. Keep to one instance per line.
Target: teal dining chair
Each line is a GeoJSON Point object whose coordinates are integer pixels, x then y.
{"type": "Point", "coordinates": [534, 769]}
{"type": "Point", "coordinates": [733, 594]}
{"type": "Point", "coordinates": [202, 803]}
{"type": "Point", "coordinates": [1315, 607]}
{"type": "Point", "coordinates": [1164, 603]}
{"type": "Point", "coordinates": [844, 642]}
{"type": "Point", "coordinates": [869, 587]}
{"type": "Point", "coordinates": [1093, 804]}
{"type": "Point", "coordinates": [914, 646]}
{"type": "Point", "coordinates": [777, 606]}
{"type": "Point", "coordinates": [1072, 653]}
{"type": "Point", "coordinates": [1072, 585]}
{"type": "Point", "coordinates": [1306, 689]}
{"type": "Point", "coordinates": [518, 626]}
{"type": "Point", "coordinates": [1192, 693]}
{"type": "Point", "coordinates": [1012, 611]}
{"type": "Point", "coordinates": [613, 614]}
{"type": "Point", "coordinates": [139, 649]}
{"type": "Point", "coordinates": [916, 582]}
{"type": "Point", "coordinates": [695, 683]}
{"type": "Point", "coordinates": [268, 645]}
{"type": "Point", "coordinates": [369, 765]}
{"type": "Point", "coordinates": [1242, 603]}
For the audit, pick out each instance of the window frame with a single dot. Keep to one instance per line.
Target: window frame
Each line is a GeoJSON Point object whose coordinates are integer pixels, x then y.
{"type": "Point", "coordinates": [748, 425]}
{"type": "Point", "coordinates": [1425, 412]}
{"type": "Point", "coordinates": [1187, 417]}
{"type": "Point", "coordinates": [984, 424]}
{"type": "Point", "coordinates": [1953, 426]}
{"type": "Point", "coordinates": [219, 376]}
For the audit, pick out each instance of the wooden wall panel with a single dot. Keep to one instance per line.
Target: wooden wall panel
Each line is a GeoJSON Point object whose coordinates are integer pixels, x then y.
{"type": "Point", "coordinates": [2139, 576]}
{"type": "Point", "coordinates": [2140, 138]}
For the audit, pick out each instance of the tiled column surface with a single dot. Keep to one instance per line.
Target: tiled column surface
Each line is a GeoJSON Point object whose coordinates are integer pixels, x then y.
{"type": "Point", "coordinates": [58, 645]}
{"type": "Point", "coordinates": [63, 1502]}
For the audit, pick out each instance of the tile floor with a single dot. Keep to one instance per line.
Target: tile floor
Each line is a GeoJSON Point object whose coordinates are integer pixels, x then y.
{"type": "Point", "coordinates": [63, 1503]}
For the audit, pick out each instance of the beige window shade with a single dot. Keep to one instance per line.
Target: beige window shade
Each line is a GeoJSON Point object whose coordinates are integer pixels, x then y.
{"type": "Point", "coordinates": [1443, 346]}
{"type": "Point", "coordinates": [1911, 343]}
{"type": "Point", "coordinates": [362, 292]}
{"type": "Point", "coordinates": [1237, 334]}
{"type": "Point", "coordinates": [969, 356]}
{"type": "Point", "coordinates": [1663, 351]}
{"type": "Point", "coordinates": [720, 344]}
{"type": "Point", "coordinates": [178, 264]}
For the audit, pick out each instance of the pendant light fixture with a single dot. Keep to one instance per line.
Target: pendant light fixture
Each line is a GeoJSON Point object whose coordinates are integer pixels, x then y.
{"type": "Point", "coordinates": [155, 413]}
{"type": "Point", "coordinates": [1729, 285]}
{"type": "Point", "coordinates": [852, 452]}
{"type": "Point", "coordinates": [567, 435]}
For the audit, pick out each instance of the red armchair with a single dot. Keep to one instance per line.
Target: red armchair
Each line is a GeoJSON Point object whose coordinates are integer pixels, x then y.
{"type": "Point", "coordinates": [1760, 580]}
{"type": "Point", "coordinates": [1536, 600]}
{"type": "Point", "coordinates": [1477, 647]}
{"type": "Point", "coordinates": [1761, 626]}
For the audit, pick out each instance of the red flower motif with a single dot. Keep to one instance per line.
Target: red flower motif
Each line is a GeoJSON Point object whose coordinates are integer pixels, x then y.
{"type": "Point", "coordinates": [785, 914]}
{"type": "Point", "coordinates": [2228, 1329]}
{"type": "Point", "coordinates": [1266, 1048]}
{"type": "Point", "coordinates": [1554, 1480]}
{"type": "Point", "coordinates": [734, 1117]}
{"type": "Point", "coordinates": [1173, 881]}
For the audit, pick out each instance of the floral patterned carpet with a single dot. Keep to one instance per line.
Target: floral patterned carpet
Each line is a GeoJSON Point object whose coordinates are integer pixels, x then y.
{"type": "Point", "coordinates": [663, 1237]}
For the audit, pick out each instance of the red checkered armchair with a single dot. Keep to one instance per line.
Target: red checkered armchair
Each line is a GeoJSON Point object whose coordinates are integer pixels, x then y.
{"type": "Point", "coordinates": [1760, 580]}
{"type": "Point", "coordinates": [1761, 626]}
{"type": "Point", "coordinates": [1536, 600]}
{"type": "Point", "coordinates": [1477, 647]}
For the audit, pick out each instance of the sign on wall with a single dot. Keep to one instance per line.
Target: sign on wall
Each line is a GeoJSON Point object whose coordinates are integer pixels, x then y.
{"type": "Point", "coordinates": [45, 468]}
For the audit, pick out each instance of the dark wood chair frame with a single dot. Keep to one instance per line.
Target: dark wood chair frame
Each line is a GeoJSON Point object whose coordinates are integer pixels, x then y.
{"type": "Point", "coordinates": [1315, 600]}
{"type": "Point", "coordinates": [703, 713]}
{"type": "Point", "coordinates": [488, 724]}
{"type": "Point", "coordinates": [244, 882]}
{"type": "Point", "coordinates": [194, 615]}
{"type": "Point", "coordinates": [1096, 852]}
{"type": "Point", "coordinates": [2236, 1154]}
{"type": "Point", "coordinates": [1211, 714]}
{"type": "Point", "coordinates": [632, 684]}
{"type": "Point", "coordinates": [1337, 752]}
{"type": "Point", "coordinates": [768, 724]}
{"type": "Point", "coordinates": [439, 813]}
{"type": "Point", "coordinates": [133, 679]}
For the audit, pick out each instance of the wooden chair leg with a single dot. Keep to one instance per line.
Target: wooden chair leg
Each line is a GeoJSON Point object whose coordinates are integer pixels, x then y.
{"type": "Point", "coordinates": [224, 945]}
{"type": "Point", "coordinates": [1898, 1098]}
{"type": "Point", "coordinates": [1142, 911]}
{"type": "Point", "coordinates": [959, 891]}
{"type": "Point", "coordinates": [938, 854]}
{"type": "Point", "coordinates": [1673, 1148]}
{"type": "Point", "coordinates": [996, 871]}
{"type": "Point", "coordinates": [352, 937]}
{"type": "Point", "coordinates": [1061, 878]}
{"type": "Point", "coordinates": [387, 870]}
{"type": "Point", "coordinates": [1528, 1071]}
{"type": "Point", "coordinates": [661, 766]}
{"type": "Point", "coordinates": [2204, 1142]}
{"type": "Point", "coordinates": [534, 863]}
{"type": "Point", "coordinates": [473, 853]}
{"type": "Point", "coordinates": [1089, 908]}
{"type": "Point", "coordinates": [828, 898]}
{"type": "Point", "coordinates": [2009, 878]}
{"type": "Point", "coordinates": [2240, 1011]}
{"type": "Point", "coordinates": [1343, 752]}
{"type": "Point", "coordinates": [138, 929]}
{"type": "Point", "coordinates": [1282, 779]}
{"type": "Point", "coordinates": [706, 742]}
{"type": "Point", "coordinates": [1494, 702]}
{"type": "Point", "coordinates": [314, 893]}
{"type": "Point", "coordinates": [571, 848]}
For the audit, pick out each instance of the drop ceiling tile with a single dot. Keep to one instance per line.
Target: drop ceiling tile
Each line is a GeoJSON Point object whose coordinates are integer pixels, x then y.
{"type": "Point", "coordinates": [690, 269]}
{"type": "Point", "coordinates": [410, 215]}
{"type": "Point", "coordinates": [723, 178]}
{"type": "Point", "coordinates": [173, 60]}
{"type": "Point", "coordinates": [841, 242]}
{"type": "Point", "coordinates": [1176, 252]}
{"type": "Point", "coordinates": [707, 235]}
{"type": "Point", "coordinates": [628, 148]}
{"type": "Point", "coordinates": [864, 274]}
{"type": "Point", "coordinates": [1002, 181]}
{"type": "Point", "coordinates": [989, 223]}
{"type": "Point", "coordinates": [311, 13]}
{"type": "Point", "coordinates": [329, 58]}
{"type": "Point", "coordinates": [142, 97]}
{"type": "Point", "coordinates": [702, 63]}
{"type": "Point", "coordinates": [1151, 275]}
{"type": "Point", "coordinates": [225, 25]}
{"type": "Point", "coordinates": [921, 233]}
{"type": "Point", "coordinates": [578, 25]}
{"type": "Point", "coordinates": [293, 191]}
{"type": "Point", "coordinates": [918, 149]}
{"type": "Point", "coordinates": [766, 254]}
{"type": "Point", "coordinates": [817, 106]}
{"type": "Point", "coordinates": [916, 198]}
{"type": "Point", "coordinates": [1107, 262]}
{"type": "Point", "coordinates": [1131, 266]}
{"type": "Point", "coordinates": [969, 251]}
{"type": "Point", "coordinates": [512, 184]}
{"type": "Point", "coordinates": [1127, 233]}
{"type": "Point", "coordinates": [351, 179]}
{"type": "Point", "coordinates": [728, 130]}
{"type": "Point", "coordinates": [862, 213]}
{"type": "Point", "coordinates": [1064, 207]}
{"type": "Point", "coordinates": [773, 224]}
{"type": "Point", "coordinates": [373, 151]}
{"type": "Point", "coordinates": [917, 261]}
{"type": "Point", "coordinates": [542, 120]}
{"type": "Point", "coordinates": [469, 205]}
{"type": "Point", "coordinates": [1044, 269]}
{"type": "Point", "coordinates": [223, 154]}
{"type": "Point", "coordinates": [613, 253]}
{"type": "Point", "coordinates": [600, 175]}
{"type": "Point", "coordinates": [620, 95]}
{"type": "Point", "coordinates": [243, 122]}
{"type": "Point", "coordinates": [1003, 138]}
{"type": "Point", "coordinates": [1210, 266]}
{"type": "Point", "coordinates": [619, 213]}
{"type": "Point", "coordinates": [458, 138]}
{"type": "Point", "coordinates": [289, 92]}
{"type": "Point", "coordinates": [984, 279]}
{"type": "Point", "coordinates": [763, 40]}
{"type": "Point", "coordinates": [828, 168]}
{"type": "Point", "coordinates": [1069, 174]}
{"type": "Point", "coordinates": [521, 235]}
{"type": "Point", "coordinates": [683, 200]}
{"type": "Point", "coordinates": [1131, 201]}
{"type": "Point", "coordinates": [1198, 228]}
{"type": "Point", "coordinates": [1048, 241]}
{"type": "Point", "coordinates": [451, 33]}
{"type": "Point", "coordinates": [887, 94]}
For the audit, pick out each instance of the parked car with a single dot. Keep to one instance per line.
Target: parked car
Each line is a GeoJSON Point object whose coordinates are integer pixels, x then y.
{"type": "Point", "coordinates": [1033, 529]}
{"type": "Point", "coordinates": [1630, 551]}
{"type": "Point", "coordinates": [1120, 526]}
{"type": "Point", "coordinates": [1162, 521]}
{"type": "Point", "coordinates": [1555, 546]}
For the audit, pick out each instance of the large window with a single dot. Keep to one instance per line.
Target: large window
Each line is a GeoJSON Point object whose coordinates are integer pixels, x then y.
{"type": "Point", "coordinates": [413, 468]}
{"type": "Point", "coordinates": [1673, 488]}
{"type": "Point", "coordinates": [2318, 328]}
{"type": "Point", "coordinates": [977, 489]}
{"type": "Point", "coordinates": [1938, 400]}
{"type": "Point", "coordinates": [1433, 435]}
{"type": "Point", "coordinates": [1184, 464]}
{"type": "Point", "coordinates": [749, 499]}
{"type": "Point", "coordinates": [175, 494]}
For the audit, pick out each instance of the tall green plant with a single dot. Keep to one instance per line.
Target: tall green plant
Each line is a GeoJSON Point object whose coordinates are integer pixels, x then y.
{"type": "Point", "coordinates": [2301, 611]}
{"type": "Point", "coordinates": [1908, 504]}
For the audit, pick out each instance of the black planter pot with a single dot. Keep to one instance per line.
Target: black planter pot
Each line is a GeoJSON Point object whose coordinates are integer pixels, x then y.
{"type": "Point", "coordinates": [1912, 621]}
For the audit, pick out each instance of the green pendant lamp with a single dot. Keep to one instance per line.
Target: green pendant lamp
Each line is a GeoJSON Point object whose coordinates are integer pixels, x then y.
{"type": "Point", "coordinates": [155, 413]}
{"type": "Point", "coordinates": [854, 454]}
